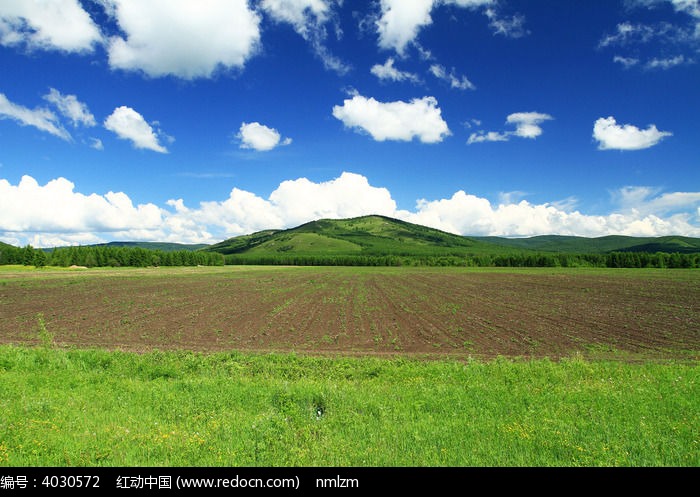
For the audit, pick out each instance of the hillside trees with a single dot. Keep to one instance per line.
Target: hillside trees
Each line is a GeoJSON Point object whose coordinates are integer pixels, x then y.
{"type": "Point", "coordinates": [515, 259]}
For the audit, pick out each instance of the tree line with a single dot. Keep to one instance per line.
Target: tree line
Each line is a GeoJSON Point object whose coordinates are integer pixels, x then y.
{"type": "Point", "coordinates": [106, 256]}
{"type": "Point", "coordinates": [116, 256]}
{"type": "Point", "coordinates": [609, 260]}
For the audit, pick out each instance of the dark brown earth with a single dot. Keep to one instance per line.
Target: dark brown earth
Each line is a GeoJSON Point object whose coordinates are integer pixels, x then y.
{"type": "Point", "coordinates": [620, 314]}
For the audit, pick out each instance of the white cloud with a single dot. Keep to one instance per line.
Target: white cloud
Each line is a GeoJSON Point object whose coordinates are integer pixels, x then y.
{"type": "Point", "coordinates": [511, 197]}
{"type": "Point", "coordinates": [293, 203]}
{"type": "Point", "coordinates": [471, 123]}
{"type": "Point", "coordinates": [57, 208]}
{"type": "Point", "coordinates": [309, 19]}
{"type": "Point", "coordinates": [647, 200]}
{"type": "Point", "coordinates": [626, 62]}
{"type": "Point", "coordinates": [55, 25]}
{"type": "Point", "coordinates": [402, 121]}
{"type": "Point", "coordinates": [42, 119]}
{"type": "Point", "coordinates": [96, 143]}
{"type": "Point", "coordinates": [626, 33]}
{"type": "Point", "coordinates": [641, 215]}
{"type": "Point", "coordinates": [662, 33]}
{"type": "Point", "coordinates": [401, 20]}
{"type": "Point", "coordinates": [130, 125]}
{"type": "Point", "coordinates": [461, 83]}
{"type": "Point", "coordinates": [491, 136]}
{"type": "Point", "coordinates": [259, 137]}
{"type": "Point", "coordinates": [612, 136]}
{"type": "Point", "coordinates": [527, 125]}
{"type": "Point", "coordinates": [304, 15]}
{"type": "Point", "coordinates": [349, 195]}
{"type": "Point", "coordinates": [471, 215]}
{"type": "Point", "coordinates": [55, 214]}
{"type": "Point", "coordinates": [71, 107]}
{"type": "Point", "coordinates": [666, 63]}
{"type": "Point", "coordinates": [510, 27]}
{"type": "Point", "coordinates": [690, 7]}
{"type": "Point", "coordinates": [679, 33]}
{"type": "Point", "coordinates": [183, 38]}
{"type": "Point", "coordinates": [387, 71]}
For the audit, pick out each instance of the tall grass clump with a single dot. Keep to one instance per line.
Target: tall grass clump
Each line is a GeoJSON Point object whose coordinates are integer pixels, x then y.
{"type": "Point", "coordinates": [46, 338]}
{"type": "Point", "coordinates": [99, 408]}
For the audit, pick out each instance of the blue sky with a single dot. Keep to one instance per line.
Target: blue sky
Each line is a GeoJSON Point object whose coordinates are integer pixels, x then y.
{"type": "Point", "coordinates": [183, 121]}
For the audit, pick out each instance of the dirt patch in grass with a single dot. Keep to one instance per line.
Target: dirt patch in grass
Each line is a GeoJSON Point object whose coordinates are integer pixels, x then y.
{"type": "Point", "coordinates": [364, 311]}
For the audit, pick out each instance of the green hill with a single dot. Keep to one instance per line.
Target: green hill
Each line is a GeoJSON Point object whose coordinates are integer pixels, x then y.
{"type": "Point", "coordinates": [374, 239]}
{"type": "Point", "coordinates": [384, 236]}
{"type": "Point", "coordinates": [375, 236]}
{"type": "Point", "coordinates": [669, 244]}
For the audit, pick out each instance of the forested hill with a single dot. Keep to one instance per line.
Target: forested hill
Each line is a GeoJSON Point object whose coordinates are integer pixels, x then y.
{"type": "Point", "coordinates": [379, 235]}
{"type": "Point", "coordinates": [379, 240]}
{"type": "Point", "coordinates": [370, 236]}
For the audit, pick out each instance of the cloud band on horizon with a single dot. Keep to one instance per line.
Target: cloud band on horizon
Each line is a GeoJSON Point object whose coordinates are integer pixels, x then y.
{"type": "Point", "coordinates": [77, 218]}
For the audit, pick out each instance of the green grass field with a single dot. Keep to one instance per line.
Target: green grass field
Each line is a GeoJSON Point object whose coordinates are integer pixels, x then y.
{"type": "Point", "coordinates": [98, 408]}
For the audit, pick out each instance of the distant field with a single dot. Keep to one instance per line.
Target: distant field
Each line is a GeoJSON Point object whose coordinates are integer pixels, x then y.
{"type": "Point", "coordinates": [429, 312]}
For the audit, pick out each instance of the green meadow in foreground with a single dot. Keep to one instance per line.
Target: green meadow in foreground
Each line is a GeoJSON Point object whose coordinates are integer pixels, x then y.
{"type": "Point", "coordinates": [99, 408]}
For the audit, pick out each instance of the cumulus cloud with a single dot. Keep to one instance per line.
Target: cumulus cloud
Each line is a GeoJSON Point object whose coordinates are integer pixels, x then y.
{"type": "Point", "coordinates": [471, 215]}
{"type": "Point", "coordinates": [128, 124]}
{"type": "Point", "coordinates": [309, 19]}
{"type": "Point", "coordinates": [71, 107]}
{"type": "Point", "coordinates": [56, 25]}
{"type": "Point", "coordinates": [183, 38]}
{"type": "Point", "coordinates": [259, 137]}
{"type": "Point", "coordinates": [527, 125]}
{"type": "Point", "coordinates": [612, 136]}
{"type": "Point", "coordinates": [303, 15]}
{"type": "Point", "coordinates": [403, 121]}
{"type": "Point", "coordinates": [388, 71]}
{"type": "Point", "coordinates": [401, 21]}
{"type": "Point", "coordinates": [460, 83]}
{"type": "Point", "coordinates": [57, 208]}
{"type": "Point", "coordinates": [55, 214]}
{"type": "Point", "coordinates": [40, 118]}
{"type": "Point", "coordinates": [293, 203]}
{"type": "Point", "coordinates": [349, 195]}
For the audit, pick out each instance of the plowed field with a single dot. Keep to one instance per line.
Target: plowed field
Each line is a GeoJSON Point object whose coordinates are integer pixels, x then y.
{"type": "Point", "coordinates": [625, 314]}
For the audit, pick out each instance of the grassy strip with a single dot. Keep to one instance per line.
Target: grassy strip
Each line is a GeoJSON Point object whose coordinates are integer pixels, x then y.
{"type": "Point", "coordinates": [100, 408]}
